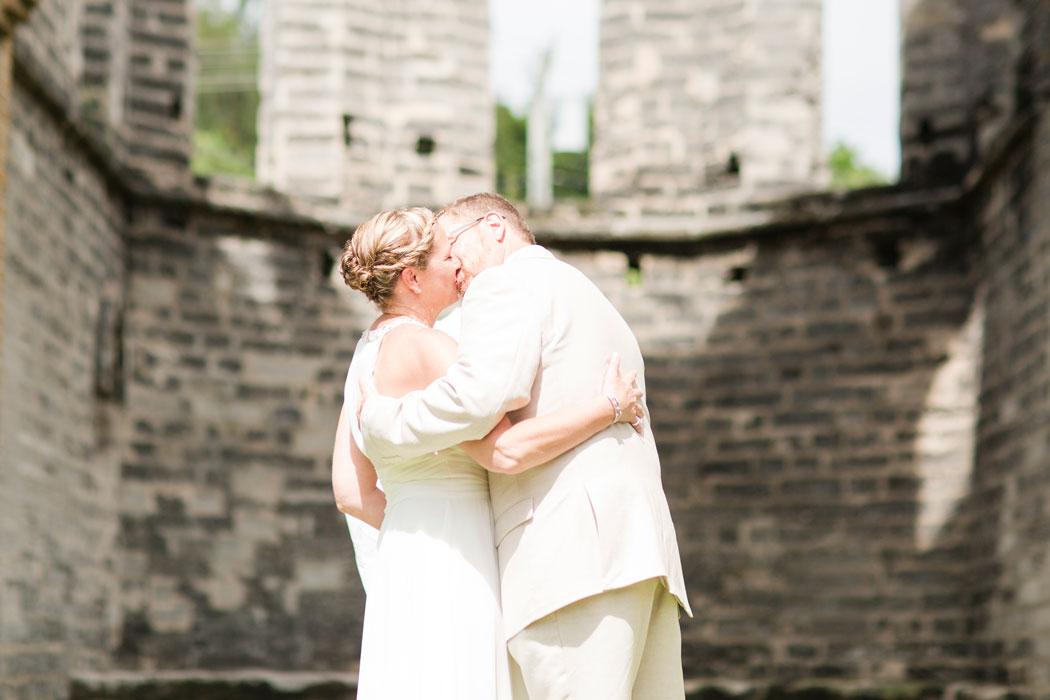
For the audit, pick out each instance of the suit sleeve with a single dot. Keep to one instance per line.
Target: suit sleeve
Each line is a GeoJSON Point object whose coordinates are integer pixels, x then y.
{"type": "Point", "coordinates": [495, 367]}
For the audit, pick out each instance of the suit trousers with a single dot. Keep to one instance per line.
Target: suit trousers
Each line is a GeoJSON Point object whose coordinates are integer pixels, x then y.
{"type": "Point", "coordinates": [623, 644]}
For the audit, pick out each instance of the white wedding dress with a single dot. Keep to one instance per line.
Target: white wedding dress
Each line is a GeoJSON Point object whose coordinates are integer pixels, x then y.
{"type": "Point", "coordinates": [432, 628]}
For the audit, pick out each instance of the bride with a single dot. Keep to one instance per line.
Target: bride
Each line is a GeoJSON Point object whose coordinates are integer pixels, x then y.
{"type": "Point", "coordinates": [432, 625]}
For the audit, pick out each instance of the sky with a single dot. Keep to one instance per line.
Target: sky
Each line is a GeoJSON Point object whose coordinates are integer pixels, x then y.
{"type": "Point", "coordinates": [861, 69]}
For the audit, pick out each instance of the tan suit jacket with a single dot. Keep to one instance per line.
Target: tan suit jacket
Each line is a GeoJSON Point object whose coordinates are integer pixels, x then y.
{"type": "Point", "coordinates": [536, 335]}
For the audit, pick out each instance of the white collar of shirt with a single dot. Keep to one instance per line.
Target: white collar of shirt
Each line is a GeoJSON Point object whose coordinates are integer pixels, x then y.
{"type": "Point", "coordinates": [530, 252]}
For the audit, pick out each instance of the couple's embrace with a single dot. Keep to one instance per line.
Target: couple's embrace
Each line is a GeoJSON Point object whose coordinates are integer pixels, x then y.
{"type": "Point", "coordinates": [526, 549]}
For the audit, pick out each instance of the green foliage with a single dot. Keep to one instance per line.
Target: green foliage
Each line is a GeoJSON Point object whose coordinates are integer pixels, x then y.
{"type": "Point", "coordinates": [571, 169]}
{"type": "Point", "coordinates": [634, 276]}
{"type": "Point", "coordinates": [227, 100]}
{"type": "Point", "coordinates": [571, 172]}
{"type": "Point", "coordinates": [849, 174]}
{"type": "Point", "coordinates": [213, 153]}
{"type": "Point", "coordinates": [509, 151]}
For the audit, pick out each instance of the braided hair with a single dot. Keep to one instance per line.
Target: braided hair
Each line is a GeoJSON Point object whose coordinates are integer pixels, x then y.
{"type": "Point", "coordinates": [382, 247]}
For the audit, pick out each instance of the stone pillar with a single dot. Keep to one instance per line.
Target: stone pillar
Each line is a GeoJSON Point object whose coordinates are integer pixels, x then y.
{"type": "Point", "coordinates": [959, 61]}
{"type": "Point", "coordinates": [538, 157]}
{"type": "Point", "coordinates": [538, 153]}
{"type": "Point", "coordinates": [158, 102]}
{"type": "Point", "coordinates": [779, 143]}
{"type": "Point", "coordinates": [375, 105]}
{"type": "Point", "coordinates": [133, 84]}
{"type": "Point", "coordinates": [701, 97]}
{"type": "Point", "coordinates": [104, 47]}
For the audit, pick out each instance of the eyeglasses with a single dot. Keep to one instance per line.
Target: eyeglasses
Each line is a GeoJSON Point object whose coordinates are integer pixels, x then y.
{"type": "Point", "coordinates": [454, 234]}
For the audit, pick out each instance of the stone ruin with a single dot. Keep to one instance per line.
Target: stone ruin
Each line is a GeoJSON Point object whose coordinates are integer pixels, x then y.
{"type": "Point", "coordinates": [850, 391]}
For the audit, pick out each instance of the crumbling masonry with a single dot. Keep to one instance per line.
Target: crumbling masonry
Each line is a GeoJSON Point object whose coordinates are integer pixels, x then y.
{"type": "Point", "coordinates": [851, 393]}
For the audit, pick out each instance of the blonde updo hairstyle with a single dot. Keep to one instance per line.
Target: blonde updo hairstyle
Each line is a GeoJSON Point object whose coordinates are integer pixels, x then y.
{"type": "Point", "coordinates": [382, 247]}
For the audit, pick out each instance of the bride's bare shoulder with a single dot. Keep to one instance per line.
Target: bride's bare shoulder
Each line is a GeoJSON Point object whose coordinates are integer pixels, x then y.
{"type": "Point", "coordinates": [411, 336]}
{"type": "Point", "coordinates": [412, 357]}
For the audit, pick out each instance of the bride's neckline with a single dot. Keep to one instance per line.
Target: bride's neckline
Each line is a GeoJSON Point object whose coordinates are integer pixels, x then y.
{"type": "Point", "coordinates": [376, 333]}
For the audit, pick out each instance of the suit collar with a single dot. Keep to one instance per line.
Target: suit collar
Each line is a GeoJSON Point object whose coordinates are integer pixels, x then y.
{"type": "Point", "coordinates": [532, 252]}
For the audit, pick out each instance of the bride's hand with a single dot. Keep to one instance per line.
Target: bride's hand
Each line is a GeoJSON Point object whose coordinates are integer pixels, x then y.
{"type": "Point", "coordinates": [623, 389]}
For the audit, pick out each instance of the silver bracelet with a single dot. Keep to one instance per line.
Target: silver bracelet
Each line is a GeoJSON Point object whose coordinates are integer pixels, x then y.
{"type": "Point", "coordinates": [616, 408]}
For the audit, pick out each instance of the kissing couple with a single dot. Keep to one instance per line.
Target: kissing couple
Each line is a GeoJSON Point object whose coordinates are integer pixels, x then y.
{"type": "Point", "coordinates": [525, 545]}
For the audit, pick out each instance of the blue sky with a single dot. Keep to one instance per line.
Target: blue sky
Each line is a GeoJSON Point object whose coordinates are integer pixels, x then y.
{"type": "Point", "coordinates": [861, 69]}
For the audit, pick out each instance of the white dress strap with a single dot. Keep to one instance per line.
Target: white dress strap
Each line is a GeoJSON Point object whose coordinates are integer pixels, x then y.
{"type": "Point", "coordinates": [378, 333]}
{"type": "Point", "coordinates": [376, 337]}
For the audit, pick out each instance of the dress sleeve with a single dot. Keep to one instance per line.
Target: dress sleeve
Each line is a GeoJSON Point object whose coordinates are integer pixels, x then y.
{"type": "Point", "coordinates": [495, 367]}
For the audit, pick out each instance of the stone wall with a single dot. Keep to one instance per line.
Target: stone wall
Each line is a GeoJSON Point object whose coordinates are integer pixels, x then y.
{"type": "Point", "coordinates": [814, 399]}
{"type": "Point", "coordinates": [952, 109]}
{"type": "Point", "coordinates": [1033, 68]}
{"type": "Point", "coordinates": [376, 106]}
{"type": "Point", "coordinates": [124, 68]}
{"type": "Point", "coordinates": [103, 40]}
{"type": "Point", "coordinates": [1010, 577]}
{"type": "Point", "coordinates": [63, 285]}
{"type": "Point", "coordinates": [6, 57]}
{"type": "Point", "coordinates": [701, 104]}
{"type": "Point", "coordinates": [238, 334]}
{"type": "Point", "coordinates": [813, 393]}
{"type": "Point", "coordinates": [47, 43]}
{"type": "Point", "coordinates": [158, 82]}
{"type": "Point", "coordinates": [850, 400]}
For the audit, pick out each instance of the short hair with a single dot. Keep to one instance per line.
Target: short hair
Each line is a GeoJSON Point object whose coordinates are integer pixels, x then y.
{"type": "Point", "coordinates": [382, 247]}
{"type": "Point", "coordinates": [482, 202]}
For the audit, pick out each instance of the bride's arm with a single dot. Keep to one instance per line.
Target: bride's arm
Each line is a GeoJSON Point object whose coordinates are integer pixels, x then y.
{"type": "Point", "coordinates": [414, 357]}
{"type": "Point", "coordinates": [513, 448]}
{"type": "Point", "coordinates": [354, 478]}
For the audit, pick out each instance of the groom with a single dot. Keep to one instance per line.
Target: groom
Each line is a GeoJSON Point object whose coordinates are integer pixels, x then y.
{"type": "Point", "coordinates": [590, 572]}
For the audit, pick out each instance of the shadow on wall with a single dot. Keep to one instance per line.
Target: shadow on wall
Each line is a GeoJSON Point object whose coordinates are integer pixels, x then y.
{"type": "Point", "coordinates": [1008, 519]}
{"type": "Point", "coordinates": [964, 77]}
{"type": "Point", "coordinates": [809, 393]}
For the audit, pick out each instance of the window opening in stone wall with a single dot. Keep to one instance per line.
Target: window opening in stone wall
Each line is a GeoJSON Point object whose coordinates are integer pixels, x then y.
{"type": "Point", "coordinates": [175, 108]}
{"type": "Point", "coordinates": [348, 120]}
{"type": "Point", "coordinates": [887, 251]}
{"type": "Point", "coordinates": [425, 145]}
{"type": "Point", "coordinates": [926, 131]}
{"type": "Point", "coordinates": [737, 273]}
{"type": "Point", "coordinates": [733, 165]}
{"type": "Point", "coordinates": [227, 91]}
{"type": "Point", "coordinates": [634, 268]}
{"type": "Point", "coordinates": [108, 362]}
{"type": "Point", "coordinates": [109, 358]}
{"type": "Point", "coordinates": [327, 263]}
